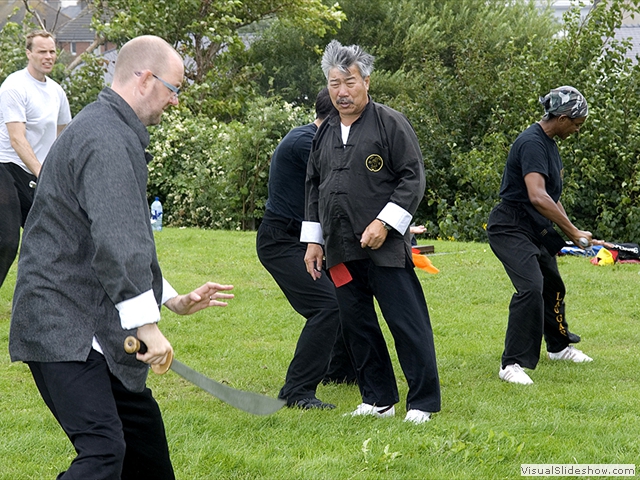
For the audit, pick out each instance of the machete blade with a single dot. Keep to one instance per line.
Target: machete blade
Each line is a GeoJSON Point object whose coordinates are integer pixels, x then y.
{"type": "Point", "coordinates": [250, 402]}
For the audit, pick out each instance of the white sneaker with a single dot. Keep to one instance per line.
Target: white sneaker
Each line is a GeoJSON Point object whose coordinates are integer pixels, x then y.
{"type": "Point", "coordinates": [514, 374]}
{"type": "Point", "coordinates": [417, 416]}
{"type": "Point", "coordinates": [570, 353]}
{"type": "Point", "coordinates": [373, 410]}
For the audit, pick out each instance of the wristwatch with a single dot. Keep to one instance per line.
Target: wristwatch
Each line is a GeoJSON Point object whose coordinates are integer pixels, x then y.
{"type": "Point", "coordinates": [386, 225]}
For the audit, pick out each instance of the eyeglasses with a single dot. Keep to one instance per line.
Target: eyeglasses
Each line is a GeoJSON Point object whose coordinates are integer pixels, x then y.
{"type": "Point", "coordinates": [175, 90]}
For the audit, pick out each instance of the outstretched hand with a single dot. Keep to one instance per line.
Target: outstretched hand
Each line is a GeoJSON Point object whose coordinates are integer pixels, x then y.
{"type": "Point", "coordinates": [417, 229]}
{"type": "Point", "coordinates": [202, 297]}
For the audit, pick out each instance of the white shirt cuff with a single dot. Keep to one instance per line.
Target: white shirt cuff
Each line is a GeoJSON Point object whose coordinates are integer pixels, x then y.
{"type": "Point", "coordinates": [311, 232]}
{"type": "Point", "coordinates": [168, 292]}
{"type": "Point", "coordinates": [396, 216]}
{"type": "Point", "coordinates": [138, 311]}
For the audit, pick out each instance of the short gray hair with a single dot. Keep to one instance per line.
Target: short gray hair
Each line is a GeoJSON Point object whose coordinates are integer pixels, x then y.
{"type": "Point", "coordinates": [338, 56]}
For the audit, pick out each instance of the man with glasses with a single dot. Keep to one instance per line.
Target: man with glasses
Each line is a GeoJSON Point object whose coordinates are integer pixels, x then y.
{"type": "Point", "coordinates": [88, 276]}
{"type": "Point", "coordinates": [33, 111]}
{"type": "Point", "coordinates": [521, 234]}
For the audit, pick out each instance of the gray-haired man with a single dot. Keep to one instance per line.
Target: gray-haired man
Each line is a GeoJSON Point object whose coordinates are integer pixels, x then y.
{"type": "Point", "coordinates": [368, 162]}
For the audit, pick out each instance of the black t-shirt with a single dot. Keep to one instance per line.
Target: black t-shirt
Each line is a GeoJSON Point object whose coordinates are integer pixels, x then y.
{"type": "Point", "coordinates": [533, 151]}
{"type": "Point", "coordinates": [287, 173]}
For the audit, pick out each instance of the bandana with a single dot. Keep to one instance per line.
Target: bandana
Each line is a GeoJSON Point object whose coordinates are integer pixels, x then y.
{"type": "Point", "coordinates": [565, 101]}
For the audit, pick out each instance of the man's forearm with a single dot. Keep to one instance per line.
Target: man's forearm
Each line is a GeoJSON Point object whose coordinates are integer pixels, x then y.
{"type": "Point", "coordinates": [29, 159]}
{"type": "Point", "coordinates": [22, 147]}
{"type": "Point", "coordinates": [557, 215]}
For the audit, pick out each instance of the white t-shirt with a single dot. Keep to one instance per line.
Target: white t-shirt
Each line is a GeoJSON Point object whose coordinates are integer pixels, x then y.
{"type": "Point", "coordinates": [41, 106]}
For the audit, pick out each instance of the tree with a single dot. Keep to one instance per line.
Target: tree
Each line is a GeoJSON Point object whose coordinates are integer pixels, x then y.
{"type": "Point", "coordinates": [601, 169]}
{"type": "Point", "coordinates": [207, 33]}
{"type": "Point", "coordinates": [467, 73]}
{"type": "Point", "coordinates": [12, 56]}
{"type": "Point", "coordinates": [289, 57]}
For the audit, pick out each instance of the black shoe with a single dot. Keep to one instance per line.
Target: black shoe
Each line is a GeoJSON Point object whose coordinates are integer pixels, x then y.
{"type": "Point", "coordinates": [573, 338]}
{"type": "Point", "coordinates": [310, 404]}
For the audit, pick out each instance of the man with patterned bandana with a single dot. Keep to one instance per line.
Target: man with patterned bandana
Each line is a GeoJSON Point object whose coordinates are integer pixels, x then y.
{"type": "Point", "coordinates": [520, 231]}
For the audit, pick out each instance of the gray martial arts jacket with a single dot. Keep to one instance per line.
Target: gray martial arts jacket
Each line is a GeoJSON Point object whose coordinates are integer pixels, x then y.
{"type": "Point", "coordinates": [87, 243]}
{"type": "Point", "coordinates": [349, 185]}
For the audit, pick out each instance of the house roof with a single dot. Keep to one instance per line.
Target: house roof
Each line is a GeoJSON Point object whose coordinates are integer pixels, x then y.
{"type": "Point", "coordinates": [631, 32]}
{"type": "Point", "coordinates": [50, 13]}
{"type": "Point", "coordinates": [77, 29]}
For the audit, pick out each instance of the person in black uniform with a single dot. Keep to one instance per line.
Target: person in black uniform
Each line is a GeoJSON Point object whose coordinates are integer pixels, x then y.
{"type": "Point", "coordinates": [365, 179]}
{"type": "Point", "coordinates": [282, 254]}
{"type": "Point", "coordinates": [521, 234]}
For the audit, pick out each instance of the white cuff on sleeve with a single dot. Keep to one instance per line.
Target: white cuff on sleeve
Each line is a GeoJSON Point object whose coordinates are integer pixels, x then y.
{"type": "Point", "coordinates": [168, 292]}
{"type": "Point", "coordinates": [396, 216]}
{"type": "Point", "coordinates": [138, 311]}
{"type": "Point", "coordinates": [311, 232]}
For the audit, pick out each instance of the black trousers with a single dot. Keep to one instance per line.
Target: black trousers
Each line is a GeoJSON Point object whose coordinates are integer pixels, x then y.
{"type": "Point", "coordinates": [537, 307]}
{"type": "Point", "coordinates": [280, 251]}
{"type": "Point", "coordinates": [401, 300]}
{"type": "Point", "coordinates": [117, 434]}
{"type": "Point", "coordinates": [16, 197]}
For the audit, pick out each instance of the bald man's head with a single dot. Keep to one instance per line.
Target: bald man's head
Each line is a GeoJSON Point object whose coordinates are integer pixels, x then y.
{"type": "Point", "coordinates": [148, 75]}
{"type": "Point", "coordinates": [147, 52]}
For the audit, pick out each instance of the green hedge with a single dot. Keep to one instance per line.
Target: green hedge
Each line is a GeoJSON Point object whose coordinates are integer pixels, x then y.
{"type": "Point", "coordinates": [212, 174]}
{"type": "Point", "coordinates": [467, 74]}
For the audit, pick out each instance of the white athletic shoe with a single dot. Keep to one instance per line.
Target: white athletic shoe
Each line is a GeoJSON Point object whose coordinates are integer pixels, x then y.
{"type": "Point", "coordinates": [570, 353]}
{"type": "Point", "coordinates": [417, 416]}
{"type": "Point", "coordinates": [514, 374]}
{"type": "Point", "coordinates": [373, 410]}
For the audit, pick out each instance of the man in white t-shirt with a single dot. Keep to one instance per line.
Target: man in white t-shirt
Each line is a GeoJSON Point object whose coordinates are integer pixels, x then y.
{"type": "Point", "coordinates": [33, 111]}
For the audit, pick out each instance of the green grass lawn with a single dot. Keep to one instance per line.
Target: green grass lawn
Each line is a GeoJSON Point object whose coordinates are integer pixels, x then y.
{"type": "Point", "coordinates": [574, 413]}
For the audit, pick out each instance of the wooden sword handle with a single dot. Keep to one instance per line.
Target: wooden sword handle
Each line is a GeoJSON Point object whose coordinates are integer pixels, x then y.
{"type": "Point", "coordinates": [133, 345]}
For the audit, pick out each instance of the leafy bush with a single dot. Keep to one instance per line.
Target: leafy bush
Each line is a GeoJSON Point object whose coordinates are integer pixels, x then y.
{"type": "Point", "coordinates": [467, 74]}
{"type": "Point", "coordinates": [601, 190]}
{"type": "Point", "coordinates": [214, 175]}
{"type": "Point", "coordinates": [12, 55]}
{"type": "Point", "coordinates": [474, 106]}
{"type": "Point", "coordinates": [85, 82]}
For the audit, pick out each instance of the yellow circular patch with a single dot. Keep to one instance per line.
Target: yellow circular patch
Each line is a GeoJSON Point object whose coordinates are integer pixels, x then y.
{"type": "Point", "coordinates": [374, 162]}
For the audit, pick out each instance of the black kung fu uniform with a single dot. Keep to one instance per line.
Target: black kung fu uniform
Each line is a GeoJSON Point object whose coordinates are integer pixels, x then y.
{"type": "Point", "coordinates": [378, 173]}
{"type": "Point", "coordinates": [280, 251]}
{"type": "Point", "coordinates": [537, 307]}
